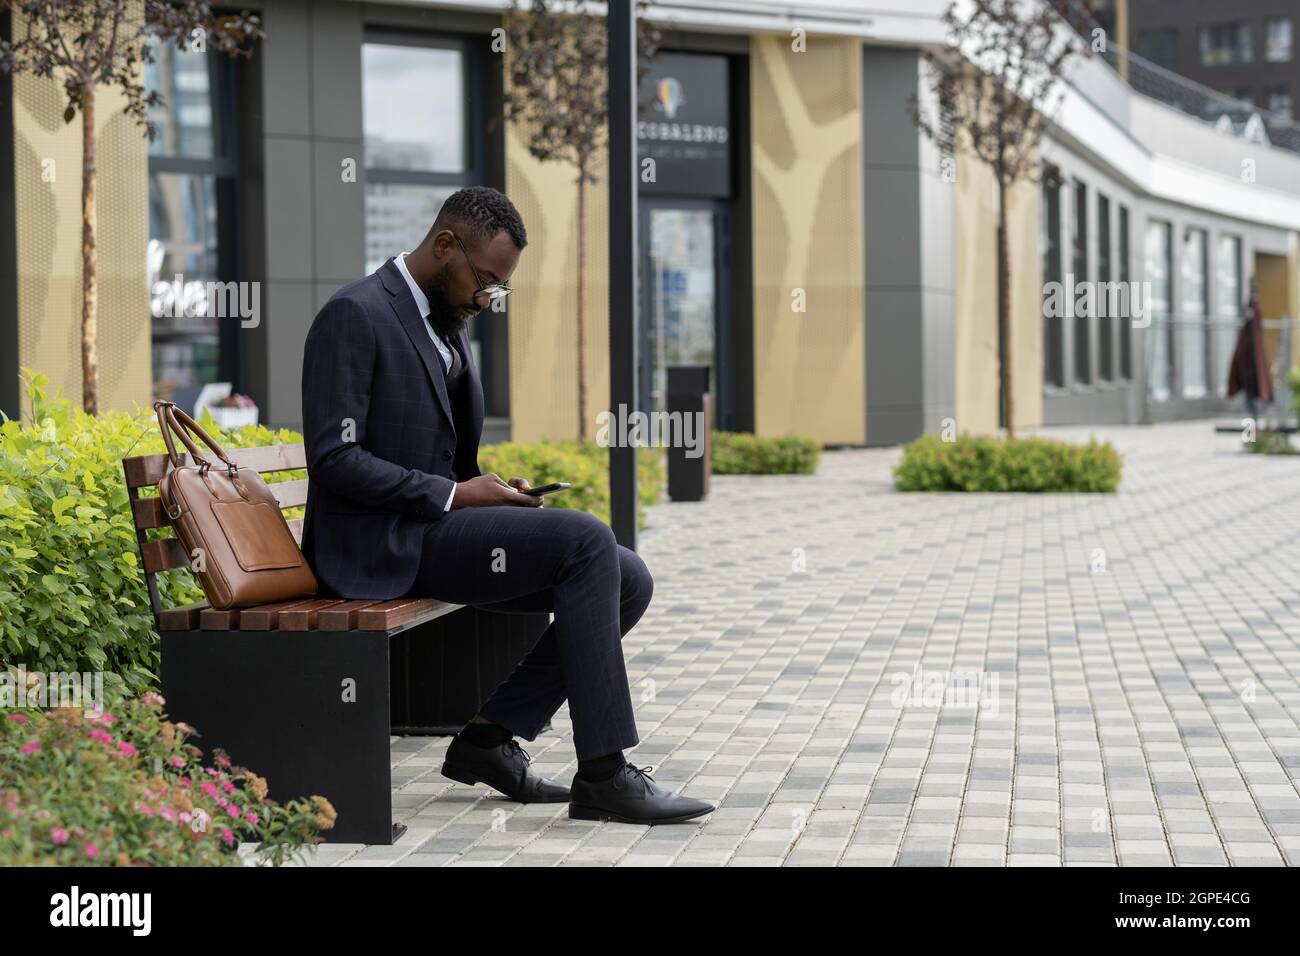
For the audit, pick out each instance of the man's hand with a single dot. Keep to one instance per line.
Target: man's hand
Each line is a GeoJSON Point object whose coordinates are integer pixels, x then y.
{"type": "Point", "coordinates": [486, 490]}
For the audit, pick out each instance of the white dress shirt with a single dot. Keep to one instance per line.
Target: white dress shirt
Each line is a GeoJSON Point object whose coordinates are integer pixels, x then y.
{"type": "Point", "coordinates": [422, 303]}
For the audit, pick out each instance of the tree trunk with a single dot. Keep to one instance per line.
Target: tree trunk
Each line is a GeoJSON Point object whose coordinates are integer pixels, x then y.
{"type": "Point", "coordinates": [582, 294]}
{"type": "Point", "coordinates": [1004, 315]}
{"type": "Point", "coordinates": [89, 297]}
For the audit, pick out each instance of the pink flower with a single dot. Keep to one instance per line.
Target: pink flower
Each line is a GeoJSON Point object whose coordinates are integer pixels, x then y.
{"type": "Point", "coordinates": [222, 802]}
{"type": "Point", "coordinates": [185, 816]}
{"type": "Point", "coordinates": [31, 748]}
{"type": "Point", "coordinates": [59, 835]}
{"type": "Point", "coordinates": [167, 813]}
{"type": "Point", "coordinates": [209, 788]}
{"type": "Point", "coordinates": [233, 811]}
{"type": "Point", "coordinates": [18, 718]}
{"type": "Point", "coordinates": [227, 786]}
{"type": "Point", "coordinates": [252, 818]}
{"type": "Point", "coordinates": [185, 781]}
{"type": "Point", "coordinates": [211, 772]}
{"type": "Point", "coordinates": [142, 807]}
{"type": "Point", "coordinates": [128, 749]}
{"type": "Point", "coordinates": [103, 736]}
{"type": "Point", "coordinates": [222, 760]}
{"type": "Point", "coordinates": [152, 698]}
{"type": "Point", "coordinates": [177, 761]}
{"type": "Point", "coordinates": [228, 837]}
{"type": "Point", "coordinates": [92, 851]}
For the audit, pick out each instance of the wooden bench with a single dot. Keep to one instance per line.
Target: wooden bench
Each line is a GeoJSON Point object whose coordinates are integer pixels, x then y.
{"type": "Point", "coordinates": [299, 691]}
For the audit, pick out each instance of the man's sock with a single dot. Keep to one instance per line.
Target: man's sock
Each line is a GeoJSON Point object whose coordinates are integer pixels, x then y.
{"type": "Point", "coordinates": [601, 768]}
{"type": "Point", "coordinates": [484, 735]}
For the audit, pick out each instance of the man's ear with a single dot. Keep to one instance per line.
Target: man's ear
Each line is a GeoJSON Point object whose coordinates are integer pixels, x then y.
{"type": "Point", "coordinates": [442, 244]}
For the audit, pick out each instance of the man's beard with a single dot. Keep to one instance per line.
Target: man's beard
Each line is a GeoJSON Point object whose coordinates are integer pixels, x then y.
{"type": "Point", "coordinates": [447, 319]}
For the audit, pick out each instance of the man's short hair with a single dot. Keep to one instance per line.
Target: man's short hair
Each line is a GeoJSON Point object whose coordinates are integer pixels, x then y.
{"type": "Point", "coordinates": [483, 211]}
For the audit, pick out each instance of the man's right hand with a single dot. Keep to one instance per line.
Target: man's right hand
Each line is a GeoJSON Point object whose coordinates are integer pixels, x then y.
{"type": "Point", "coordinates": [488, 490]}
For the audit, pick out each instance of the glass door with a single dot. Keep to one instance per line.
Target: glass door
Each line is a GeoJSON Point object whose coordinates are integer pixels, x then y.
{"type": "Point", "coordinates": [683, 306]}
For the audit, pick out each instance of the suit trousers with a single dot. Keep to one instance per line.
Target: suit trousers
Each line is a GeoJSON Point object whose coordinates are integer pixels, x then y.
{"type": "Point", "coordinates": [518, 559]}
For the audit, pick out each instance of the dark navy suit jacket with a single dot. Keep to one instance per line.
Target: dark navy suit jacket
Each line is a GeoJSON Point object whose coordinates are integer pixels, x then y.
{"type": "Point", "coordinates": [384, 444]}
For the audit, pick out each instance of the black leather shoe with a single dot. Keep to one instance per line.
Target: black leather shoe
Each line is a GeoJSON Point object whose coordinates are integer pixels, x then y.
{"type": "Point", "coordinates": [632, 796]}
{"type": "Point", "coordinates": [506, 768]}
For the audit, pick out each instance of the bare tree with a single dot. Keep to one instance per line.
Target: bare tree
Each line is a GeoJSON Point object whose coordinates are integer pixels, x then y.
{"type": "Point", "coordinates": [994, 90]}
{"type": "Point", "coordinates": [88, 44]}
{"type": "Point", "coordinates": [556, 97]}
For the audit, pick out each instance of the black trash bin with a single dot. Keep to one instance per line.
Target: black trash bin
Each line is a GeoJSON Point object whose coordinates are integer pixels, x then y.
{"type": "Point", "coordinates": [689, 394]}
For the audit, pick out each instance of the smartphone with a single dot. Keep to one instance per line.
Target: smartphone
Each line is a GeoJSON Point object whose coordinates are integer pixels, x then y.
{"type": "Point", "coordinates": [547, 489]}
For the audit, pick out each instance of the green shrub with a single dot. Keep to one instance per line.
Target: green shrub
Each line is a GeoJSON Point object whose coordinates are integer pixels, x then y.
{"type": "Point", "coordinates": [739, 453]}
{"type": "Point", "coordinates": [1293, 383]}
{"type": "Point", "coordinates": [71, 585]}
{"type": "Point", "coordinates": [123, 787]}
{"type": "Point", "coordinates": [973, 463]}
{"type": "Point", "coordinates": [1269, 442]}
{"type": "Point", "coordinates": [585, 465]}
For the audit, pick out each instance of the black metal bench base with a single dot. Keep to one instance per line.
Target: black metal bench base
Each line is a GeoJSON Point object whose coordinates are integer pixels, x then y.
{"type": "Point", "coordinates": [313, 711]}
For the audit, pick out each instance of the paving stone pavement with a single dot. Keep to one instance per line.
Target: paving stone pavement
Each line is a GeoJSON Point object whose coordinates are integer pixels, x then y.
{"type": "Point", "coordinates": [863, 677]}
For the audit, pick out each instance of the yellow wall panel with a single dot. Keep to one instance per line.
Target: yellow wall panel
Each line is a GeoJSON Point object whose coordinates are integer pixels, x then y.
{"type": "Point", "coordinates": [809, 367]}
{"type": "Point", "coordinates": [976, 282]}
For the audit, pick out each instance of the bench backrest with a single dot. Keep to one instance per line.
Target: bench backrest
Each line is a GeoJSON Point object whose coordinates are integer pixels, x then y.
{"type": "Point", "coordinates": [166, 553]}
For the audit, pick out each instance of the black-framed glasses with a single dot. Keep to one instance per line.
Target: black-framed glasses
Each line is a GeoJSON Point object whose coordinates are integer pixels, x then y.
{"type": "Point", "coordinates": [494, 290]}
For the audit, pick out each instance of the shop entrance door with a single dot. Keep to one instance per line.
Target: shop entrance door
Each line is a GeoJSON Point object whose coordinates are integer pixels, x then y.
{"type": "Point", "coordinates": [683, 248]}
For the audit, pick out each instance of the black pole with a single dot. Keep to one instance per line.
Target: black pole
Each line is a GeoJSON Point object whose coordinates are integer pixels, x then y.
{"type": "Point", "coordinates": [621, 24]}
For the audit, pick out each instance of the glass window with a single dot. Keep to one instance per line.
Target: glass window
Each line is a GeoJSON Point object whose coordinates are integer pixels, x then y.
{"type": "Point", "coordinates": [1277, 40]}
{"type": "Point", "coordinates": [1194, 313]}
{"type": "Point", "coordinates": [1159, 272]}
{"type": "Point", "coordinates": [1053, 341]}
{"type": "Point", "coordinates": [1227, 294]}
{"type": "Point", "coordinates": [1226, 44]}
{"type": "Point", "coordinates": [184, 118]}
{"type": "Point", "coordinates": [398, 215]}
{"type": "Point", "coordinates": [407, 125]}
{"type": "Point", "coordinates": [193, 175]}
{"type": "Point", "coordinates": [1079, 239]}
{"type": "Point", "coordinates": [1126, 322]}
{"type": "Point", "coordinates": [1105, 321]}
{"type": "Point", "coordinates": [1159, 46]}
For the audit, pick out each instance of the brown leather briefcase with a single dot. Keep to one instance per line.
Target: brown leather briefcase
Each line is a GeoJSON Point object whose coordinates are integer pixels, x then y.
{"type": "Point", "coordinates": [230, 524]}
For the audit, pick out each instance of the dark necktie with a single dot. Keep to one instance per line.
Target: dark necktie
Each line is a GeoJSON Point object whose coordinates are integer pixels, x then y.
{"type": "Point", "coordinates": [456, 364]}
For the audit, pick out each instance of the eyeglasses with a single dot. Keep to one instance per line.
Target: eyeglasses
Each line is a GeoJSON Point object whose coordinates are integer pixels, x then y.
{"type": "Point", "coordinates": [495, 290]}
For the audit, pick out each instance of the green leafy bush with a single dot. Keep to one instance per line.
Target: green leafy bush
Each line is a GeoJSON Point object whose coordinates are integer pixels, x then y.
{"type": "Point", "coordinates": [739, 453]}
{"type": "Point", "coordinates": [123, 787]}
{"type": "Point", "coordinates": [71, 585]}
{"type": "Point", "coordinates": [1293, 383]}
{"type": "Point", "coordinates": [975, 463]}
{"type": "Point", "coordinates": [1269, 442]}
{"type": "Point", "coordinates": [585, 465]}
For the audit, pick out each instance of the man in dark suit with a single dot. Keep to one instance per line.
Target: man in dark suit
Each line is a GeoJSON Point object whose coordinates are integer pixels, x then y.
{"type": "Point", "coordinates": [392, 415]}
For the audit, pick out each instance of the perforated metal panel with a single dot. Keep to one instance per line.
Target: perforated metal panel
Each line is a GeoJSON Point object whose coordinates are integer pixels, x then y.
{"type": "Point", "coordinates": [47, 181]}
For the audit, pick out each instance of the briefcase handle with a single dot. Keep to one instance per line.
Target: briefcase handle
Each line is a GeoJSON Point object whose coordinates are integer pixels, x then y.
{"type": "Point", "coordinates": [172, 419]}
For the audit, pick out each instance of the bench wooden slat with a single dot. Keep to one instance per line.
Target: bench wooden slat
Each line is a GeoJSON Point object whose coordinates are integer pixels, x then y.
{"type": "Point", "coordinates": [164, 554]}
{"type": "Point", "coordinates": [295, 529]}
{"type": "Point", "coordinates": [303, 617]}
{"type": "Point", "coordinates": [210, 619]}
{"type": "Point", "coordinates": [403, 611]}
{"type": "Point", "coordinates": [149, 469]}
{"type": "Point", "coordinates": [148, 512]}
{"type": "Point", "coordinates": [185, 618]}
{"type": "Point", "coordinates": [265, 617]}
{"type": "Point", "coordinates": [341, 617]}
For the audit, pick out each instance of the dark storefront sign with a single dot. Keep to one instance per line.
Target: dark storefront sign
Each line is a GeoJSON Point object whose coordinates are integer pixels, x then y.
{"type": "Point", "coordinates": [684, 126]}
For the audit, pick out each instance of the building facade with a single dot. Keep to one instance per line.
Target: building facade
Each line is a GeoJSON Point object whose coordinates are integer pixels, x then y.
{"type": "Point", "coordinates": [799, 234]}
